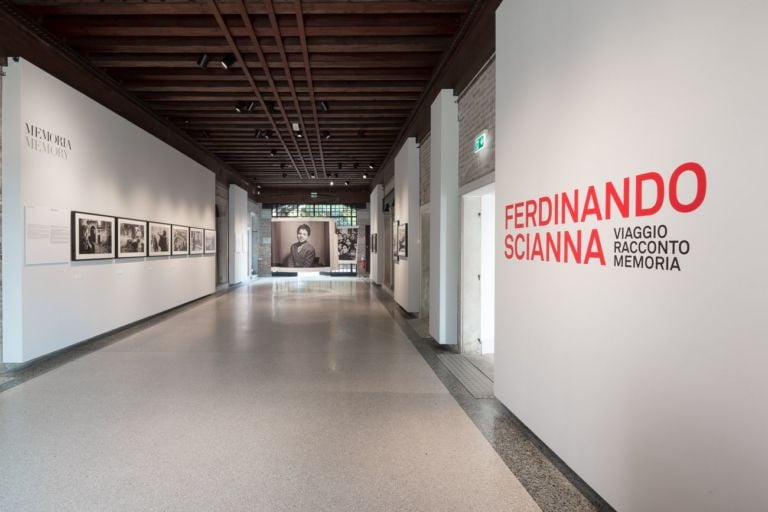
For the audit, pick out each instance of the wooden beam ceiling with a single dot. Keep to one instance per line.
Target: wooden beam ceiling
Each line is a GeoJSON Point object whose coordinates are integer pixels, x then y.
{"type": "Point", "coordinates": [367, 61]}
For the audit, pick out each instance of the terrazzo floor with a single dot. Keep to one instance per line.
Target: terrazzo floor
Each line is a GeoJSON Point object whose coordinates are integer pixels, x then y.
{"type": "Point", "coordinates": [283, 395]}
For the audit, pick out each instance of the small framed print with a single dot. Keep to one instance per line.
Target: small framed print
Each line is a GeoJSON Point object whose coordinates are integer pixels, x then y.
{"type": "Point", "coordinates": [195, 241]}
{"type": "Point", "coordinates": [210, 241]}
{"type": "Point", "coordinates": [395, 227]}
{"type": "Point", "coordinates": [131, 238]}
{"type": "Point", "coordinates": [402, 240]}
{"type": "Point", "coordinates": [93, 236]}
{"type": "Point", "coordinates": [159, 239]}
{"type": "Point", "coordinates": [179, 240]}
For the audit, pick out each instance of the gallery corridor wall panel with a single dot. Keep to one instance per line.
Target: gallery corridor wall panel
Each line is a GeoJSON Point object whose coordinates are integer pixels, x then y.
{"type": "Point", "coordinates": [407, 228]}
{"type": "Point", "coordinates": [638, 355]}
{"type": "Point", "coordinates": [72, 154]}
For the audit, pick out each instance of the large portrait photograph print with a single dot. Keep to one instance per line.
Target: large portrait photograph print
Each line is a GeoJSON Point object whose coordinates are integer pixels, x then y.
{"type": "Point", "coordinates": [93, 236]}
{"type": "Point", "coordinates": [131, 238]}
{"type": "Point", "coordinates": [159, 239]}
{"type": "Point", "coordinates": [347, 243]}
{"type": "Point", "coordinates": [300, 245]}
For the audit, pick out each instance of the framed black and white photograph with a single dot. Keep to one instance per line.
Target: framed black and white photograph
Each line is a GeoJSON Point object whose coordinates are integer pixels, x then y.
{"type": "Point", "coordinates": [179, 240]}
{"type": "Point", "coordinates": [195, 241]}
{"type": "Point", "coordinates": [210, 241]}
{"type": "Point", "coordinates": [159, 239]}
{"type": "Point", "coordinates": [402, 240]}
{"type": "Point", "coordinates": [395, 225]}
{"type": "Point", "coordinates": [373, 242]}
{"type": "Point", "coordinates": [302, 244]}
{"type": "Point", "coordinates": [347, 243]}
{"type": "Point", "coordinates": [93, 236]}
{"type": "Point", "coordinates": [131, 238]}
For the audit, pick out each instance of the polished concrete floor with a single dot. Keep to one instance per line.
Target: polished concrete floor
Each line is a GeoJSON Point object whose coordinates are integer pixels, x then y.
{"type": "Point", "coordinates": [294, 395]}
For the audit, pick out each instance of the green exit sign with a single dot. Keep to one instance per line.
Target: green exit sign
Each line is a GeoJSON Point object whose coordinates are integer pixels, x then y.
{"type": "Point", "coordinates": [313, 195]}
{"type": "Point", "coordinates": [480, 142]}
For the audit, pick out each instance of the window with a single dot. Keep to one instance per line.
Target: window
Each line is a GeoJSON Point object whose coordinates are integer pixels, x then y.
{"type": "Point", "coordinates": [344, 215]}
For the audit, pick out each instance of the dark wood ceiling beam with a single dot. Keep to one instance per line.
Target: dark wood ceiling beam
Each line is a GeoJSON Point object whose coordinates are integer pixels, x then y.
{"type": "Point", "coordinates": [68, 30]}
{"type": "Point", "coordinates": [286, 68]}
{"type": "Point", "coordinates": [223, 27]}
{"type": "Point", "coordinates": [46, 8]}
{"type": "Point", "coordinates": [328, 61]}
{"type": "Point", "coordinates": [374, 88]}
{"type": "Point", "coordinates": [160, 96]}
{"type": "Point", "coordinates": [378, 75]}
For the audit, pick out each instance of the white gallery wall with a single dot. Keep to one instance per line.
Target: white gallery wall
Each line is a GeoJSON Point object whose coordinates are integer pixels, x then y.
{"type": "Point", "coordinates": [238, 234]}
{"type": "Point", "coordinates": [97, 162]}
{"type": "Point", "coordinates": [407, 270]}
{"type": "Point", "coordinates": [650, 383]}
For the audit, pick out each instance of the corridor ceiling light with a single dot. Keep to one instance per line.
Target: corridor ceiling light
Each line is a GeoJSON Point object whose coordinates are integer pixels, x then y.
{"type": "Point", "coordinates": [299, 135]}
{"type": "Point", "coordinates": [314, 176]}
{"type": "Point", "coordinates": [326, 135]}
{"type": "Point", "coordinates": [227, 61]}
{"type": "Point", "coordinates": [346, 183]}
{"type": "Point", "coordinates": [250, 106]}
{"type": "Point", "coordinates": [272, 152]}
{"type": "Point", "coordinates": [268, 134]}
{"type": "Point", "coordinates": [365, 176]}
{"type": "Point", "coordinates": [370, 166]}
{"type": "Point", "coordinates": [331, 182]}
{"type": "Point", "coordinates": [202, 60]}
{"type": "Point", "coordinates": [324, 106]}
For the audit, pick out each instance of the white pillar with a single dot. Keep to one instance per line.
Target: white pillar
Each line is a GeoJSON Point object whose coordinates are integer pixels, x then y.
{"type": "Point", "coordinates": [444, 220]}
{"type": "Point", "coordinates": [377, 230]}
{"type": "Point", "coordinates": [408, 268]}
{"type": "Point", "coordinates": [238, 234]}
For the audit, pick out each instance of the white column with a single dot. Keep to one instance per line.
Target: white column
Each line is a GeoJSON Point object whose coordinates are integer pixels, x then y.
{"type": "Point", "coordinates": [238, 234]}
{"type": "Point", "coordinates": [444, 220]}
{"type": "Point", "coordinates": [376, 229]}
{"type": "Point", "coordinates": [408, 268]}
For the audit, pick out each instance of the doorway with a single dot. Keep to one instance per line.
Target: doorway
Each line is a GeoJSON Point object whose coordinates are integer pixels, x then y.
{"type": "Point", "coordinates": [477, 289]}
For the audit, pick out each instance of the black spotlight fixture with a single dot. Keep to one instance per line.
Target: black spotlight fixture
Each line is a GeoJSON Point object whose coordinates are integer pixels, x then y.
{"type": "Point", "coordinates": [250, 106]}
{"type": "Point", "coordinates": [299, 135]}
{"type": "Point", "coordinates": [336, 175]}
{"type": "Point", "coordinates": [324, 106]}
{"type": "Point", "coordinates": [202, 60]}
{"type": "Point", "coordinates": [285, 175]}
{"type": "Point", "coordinates": [268, 134]}
{"type": "Point", "coordinates": [282, 165]}
{"type": "Point", "coordinates": [259, 134]}
{"type": "Point", "coordinates": [346, 183]}
{"type": "Point", "coordinates": [370, 166]}
{"type": "Point", "coordinates": [272, 152]}
{"type": "Point", "coordinates": [228, 61]}
{"type": "Point", "coordinates": [314, 176]}
{"type": "Point", "coordinates": [326, 135]}
{"type": "Point", "coordinates": [241, 107]}
{"type": "Point", "coordinates": [365, 176]}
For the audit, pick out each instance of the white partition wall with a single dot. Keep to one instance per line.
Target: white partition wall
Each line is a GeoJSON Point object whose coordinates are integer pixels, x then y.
{"type": "Point", "coordinates": [444, 220]}
{"type": "Point", "coordinates": [643, 365]}
{"type": "Point", "coordinates": [64, 152]}
{"type": "Point", "coordinates": [408, 269]}
{"type": "Point", "coordinates": [238, 234]}
{"type": "Point", "coordinates": [377, 231]}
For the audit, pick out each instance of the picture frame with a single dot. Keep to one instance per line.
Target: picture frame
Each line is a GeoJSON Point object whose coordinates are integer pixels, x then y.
{"type": "Point", "coordinates": [131, 238]}
{"type": "Point", "coordinates": [179, 240]}
{"type": "Point", "coordinates": [196, 241]}
{"type": "Point", "coordinates": [93, 236]}
{"type": "Point", "coordinates": [373, 242]}
{"type": "Point", "coordinates": [402, 240]}
{"type": "Point", "coordinates": [209, 241]}
{"type": "Point", "coordinates": [159, 239]}
{"type": "Point", "coordinates": [395, 227]}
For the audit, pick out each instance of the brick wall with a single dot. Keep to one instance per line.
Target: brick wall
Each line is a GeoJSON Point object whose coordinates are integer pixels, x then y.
{"type": "Point", "coordinates": [424, 169]}
{"type": "Point", "coordinates": [477, 112]}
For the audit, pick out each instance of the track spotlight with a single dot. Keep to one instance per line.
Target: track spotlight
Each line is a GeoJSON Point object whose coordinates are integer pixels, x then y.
{"type": "Point", "coordinates": [202, 60]}
{"type": "Point", "coordinates": [272, 152]}
{"type": "Point", "coordinates": [285, 175]}
{"type": "Point", "coordinates": [331, 183]}
{"type": "Point", "coordinates": [250, 106]}
{"type": "Point", "coordinates": [370, 166]}
{"type": "Point", "coordinates": [324, 106]}
{"type": "Point", "coordinates": [326, 135]}
{"type": "Point", "coordinates": [346, 183]}
{"type": "Point", "coordinates": [365, 176]}
{"type": "Point", "coordinates": [336, 175]}
{"type": "Point", "coordinates": [282, 165]}
{"type": "Point", "coordinates": [259, 134]}
{"type": "Point", "coordinates": [299, 135]}
{"type": "Point", "coordinates": [314, 176]}
{"type": "Point", "coordinates": [268, 134]}
{"type": "Point", "coordinates": [228, 61]}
